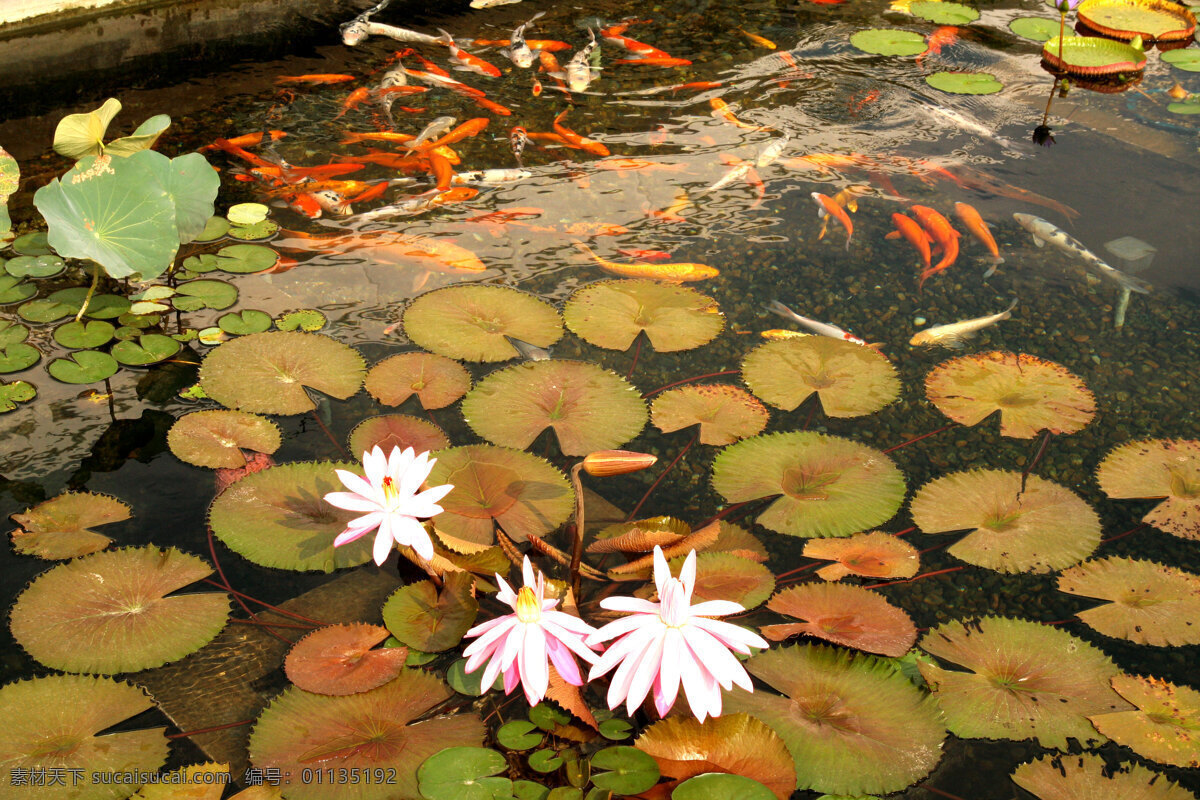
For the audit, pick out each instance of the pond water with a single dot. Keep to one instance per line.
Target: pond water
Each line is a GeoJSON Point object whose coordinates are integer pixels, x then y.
{"type": "Point", "coordinates": [1121, 166]}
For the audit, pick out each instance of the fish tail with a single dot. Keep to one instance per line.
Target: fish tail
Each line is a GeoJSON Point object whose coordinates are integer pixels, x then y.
{"type": "Point", "coordinates": [776, 307]}
{"type": "Point", "coordinates": [993, 263]}
{"type": "Point", "coordinates": [589, 252]}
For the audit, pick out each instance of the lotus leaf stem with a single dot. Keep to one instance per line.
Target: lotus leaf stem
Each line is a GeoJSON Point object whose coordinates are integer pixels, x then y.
{"type": "Point", "coordinates": [91, 292]}
{"type": "Point", "coordinates": [662, 475]}
{"type": "Point", "coordinates": [214, 728]}
{"type": "Point", "coordinates": [919, 438]}
{"type": "Point", "coordinates": [577, 545]}
{"type": "Point", "coordinates": [328, 433]}
{"type": "Point", "coordinates": [914, 578]}
{"type": "Point", "coordinates": [1036, 458]}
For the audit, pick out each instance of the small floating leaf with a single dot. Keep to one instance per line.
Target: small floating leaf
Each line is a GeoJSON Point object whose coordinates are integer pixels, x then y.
{"type": "Point", "coordinates": [247, 213]}
{"type": "Point", "coordinates": [216, 438]}
{"type": "Point", "coordinates": [150, 348]}
{"type": "Point", "coordinates": [943, 13]}
{"type": "Point", "coordinates": [464, 773]}
{"type": "Point", "coordinates": [471, 322]}
{"type": "Point", "coordinates": [81, 335]}
{"type": "Point", "coordinates": [32, 244]}
{"type": "Point", "coordinates": [84, 366]}
{"type": "Point", "coordinates": [520, 734]}
{"type": "Point", "coordinates": [437, 381]}
{"type": "Point", "coordinates": [61, 527]}
{"type": "Point", "coordinates": [875, 555]}
{"type": "Point", "coordinates": [612, 313]}
{"type": "Point", "coordinates": [716, 786]}
{"type": "Point", "coordinates": [14, 290]}
{"type": "Point", "coordinates": [14, 393]}
{"type": "Point", "coordinates": [244, 323]}
{"type": "Point", "coordinates": [18, 356]}
{"type": "Point", "coordinates": [198, 294]}
{"type": "Point", "coordinates": [254, 233]}
{"type": "Point", "coordinates": [724, 413]}
{"type": "Point", "coordinates": [631, 770]}
{"type": "Point", "coordinates": [964, 82]}
{"type": "Point", "coordinates": [12, 333]}
{"type": "Point", "coordinates": [35, 266]}
{"type": "Point", "coordinates": [430, 620]}
{"type": "Point", "coordinates": [338, 660]}
{"type": "Point", "coordinates": [1037, 28]}
{"type": "Point", "coordinates": [889, 42]}
{"type": "Point", "coordinates": [397, 430]}
{"type": "Point", "coordinates": [308, 319]}
{"type": "Point", "coordinates": [1187, 59]}
{"type": "Point", "coordinates": [1190, 106]}
{"type": "Point", "coordinates": [214, 229]}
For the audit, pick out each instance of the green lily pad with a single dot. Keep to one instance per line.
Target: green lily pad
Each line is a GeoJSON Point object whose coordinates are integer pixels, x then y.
{"type": "Point", "coordinates": [84, 366]}
{"type": "Point", "coordinates": [611, 314]}
{"type": "Point", "coordinates": [1187, 59]}
{"type": "Point", "coordinates": [1190, 106]}
{"type": "Point", "coordinates": [257, 232]}
{"type": "Point", "coordinates": [13, 290]}
{"type": "Point", "coordinates": [724, 413]}
{"type": "Point", "coordinates": [126, 333]}
{"type": "Point", "coordinates": [519, 734]}
{"type": "Point", "coordinates": [67, 302]}
{"type": "Point", "coordinates": [35, 266]}
{"type": "Point", "coordinates": [616, 729]}
{"type": "Point", "coordinates": [308, 319]}
{"type": "Point", "coordinates": [83, 335]}
{"type": "Point", "coordinates": [1039, 29]}
{"type": "Point", "coordinates": [211, 336]}
{"type": "Point", "coordinates": [235, 258]}
{"type": "Point", "coordinates": [195, 295]}
{"type": "Point", "coordinates": [889, 42]}
{"type": "Point", "coordinates": [964, 82]}
{"type": "Point", "coordinates": [18, 356]}
{"type": "Point", "coordinates": [150, 348]}
{"type": "Point", "coordinates": [12, 333]}
{"type": "Point", "coordinates": [397, 430]}
{"type": "Point", "coordinates": [466, 684]}
{"type": "Point", "coordinates": [545, 761]}
{"type": "Point", "coordinates": [10, 179]}
{"type": "Point", "coordinates": [629, 770]}
{"type": "Point", "coordinates": [528, 790]}
{"type": "Point", "coordinates": [247, 213]}
{"type": "Point", "coordinates": [1092, 55]}
{"type": "Point", "coordinates": [422, 617]}
{"type": "Point", "coordinates": [944, 13]}
{"type": "Point", "coordinates": [244, 323]}
{"type": "Point", "coordinates": [14, 393]}
{"type": "Point", "coordinates": [720, 786]}
{"type": "Point", "coordinates": [548, 717]}
{"type": "Point", "coordinates": [216, 438]}
{"type": "Point", "coordinates": [849, 379]}
{"type": "Point", "coordinates": [437, 381]}
{"type": "Point", "coordinates": [214, 229]}
{"type": "Point", "coordinates": [32, 244]}
{"type": "Point", "coordinates": [464, 773]}
{"type": "Point", "coordinates": [267, 373]}
{"type": "Point", "coordinates": [470, 323]}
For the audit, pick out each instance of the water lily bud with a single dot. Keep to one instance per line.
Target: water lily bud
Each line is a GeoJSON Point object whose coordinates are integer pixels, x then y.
{"type": "Point", "coordinates": [603, 463]}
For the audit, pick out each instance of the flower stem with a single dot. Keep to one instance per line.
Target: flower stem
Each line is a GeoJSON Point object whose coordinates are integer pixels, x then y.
{"type": "Point", "coordinates": [91, 292]}
{"type": "Point", "coordinates": [691, 380]}
{"type": "Point", "coordinates": [577, 545]}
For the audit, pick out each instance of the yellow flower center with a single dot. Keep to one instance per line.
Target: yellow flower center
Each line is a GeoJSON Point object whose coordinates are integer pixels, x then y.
{"type": "Point", "coordinates": [390, 492]}
{"type": "Point", "coordinates": [528, 607]}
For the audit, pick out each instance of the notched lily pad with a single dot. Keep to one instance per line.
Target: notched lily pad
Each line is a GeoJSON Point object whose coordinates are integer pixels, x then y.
{"type": "Point", "coordinates": [397, 430]}
{"type": "Point", "coordinates": [471, 322]}
{"type": "Point", "coordinates": [889, 42]}
{"type": "Point", "coordinates": [61, 527]}
{"type": "Point", "coordinates": [849, 379]}
{"type": "Point", "coordinates": [244, 323]}
{"type": "Point", "coordinates": [216, 438]}
{"type": "Point", "coordinates": [875, 555]}
{"type": "Point", "coordinates": [432, 620]}
{"type": "Point", "coordinates": [943, 13]}
{"type": "Point", "coordinates": [847, 615]}
{"type": "Point", "coordinates": [46, 266]}
{"type": "Point", "coordinates": [1164, 728]}
{"type": "Point", "coordinates": [964, 82]}
{"type": "Point", "coordinates": [14, 393]}
{"type": "Point", "coordinates": [80, 335]}
{"type": "Point", "coordinates": [1148, 603]}
{"type": "Point", "coordinates": [198, 294]}
{"type": "Point", "coordinates": [724, 413]}
{"type": "Point", "coordinates": [14, 290]}
{"type": "Point", "coordinates": [437, 381]}
{"type": "Point", "coordinates": [611, 314]}
{"type": "Point", "coordinates": [150, 348]}
{"type": "Point", "coordinates": [308, 319]}
{"type": "Point", "coordinates": [1092, 55]}
{"type": "Point", "coordinates": [18, 356]}
{"type": "Point", "coordinates": [1057, 776]}
{"type": "Point", "coordinates": [84, 366]}
{"type": "Point", "coordinates": [339, 660]}
{"type": "Point", "coordinates": [1153, 469]}
{"type": "Point", "coordinates": [1039, 29]}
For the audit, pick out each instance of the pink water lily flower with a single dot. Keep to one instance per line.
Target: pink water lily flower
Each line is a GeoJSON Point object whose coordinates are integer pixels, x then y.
{"type": "Point", "coordinates": [521, 644]}
{"type": "Point", "coordinates": [389, 496]}
{"type": "Point", "coordinates": [662, 645]}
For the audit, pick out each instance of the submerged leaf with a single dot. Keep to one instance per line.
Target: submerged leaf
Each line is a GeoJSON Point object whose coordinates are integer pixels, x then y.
{"type": "Point", "coordinates": [61, 527]}
{"type": "Point", "coordinates": [1158, 468]}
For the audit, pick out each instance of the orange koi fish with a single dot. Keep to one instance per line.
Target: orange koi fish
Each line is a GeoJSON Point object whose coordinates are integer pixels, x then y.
{"type": "Point", "coordinates": [471, 63]}
{"type": "Point", "coordinates": [546, 45]}
{"type": "Point", "coordinates": [758, 40]}
{"type": "Point", "coordinates": [651, 255]}
{"type": "Point", "coordinates": [376, 136]}
{"type": "Point", "coordinates": [914, 233]}
{"type": "Point", "coordinates": [947, 34]}
{"type": "Point", "coordinates": [469, 128]}
{"type": "Point", "coordinates": [575, 141]}
{"type": "Point", "coordinates": [493, 107]}
{"type": "Point", "coordinates": [940, 230]}
{"type": "Point", "coordinates": [636, 163]}
{"type": "Point", "coordinates": [671, 212]}
{"type": "Point", "coordinates": [303, 203]}
{"type": "Point", "coordinates": [722, 110]}
{"type": "Point", "coordinates": [974, 179]}
{"type": "Point", "coordinates": [655, 61]}
{"type": "Point", "coordinates": [826, 207]}
{"type": "Point", "coordinates": [979, 229]}
{"type": "Point", "coordinates": [697, 86]}
{"type": "Point", "coordinates": [390, 247]}
{"type": "Point", "coordinates": [680, 272]}
{"type": "Point", "coordinates": [323, 79]}
{"type": "Point", "coordinates": [612, 35]}
{"type": "Point", "coordinates": [246, 140]}
{"type": "Point", "coordinates": [396, 161]}
{"type": "Point", "coordinates": [443, 171]}
{"type": "Point", "coordinates": [353, 100]}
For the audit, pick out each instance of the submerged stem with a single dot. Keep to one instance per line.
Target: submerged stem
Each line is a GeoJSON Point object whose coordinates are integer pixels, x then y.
{"type": "Point", "coordinates": [659, 479]}
{"type": "Point", "coordinates": [577, 545]}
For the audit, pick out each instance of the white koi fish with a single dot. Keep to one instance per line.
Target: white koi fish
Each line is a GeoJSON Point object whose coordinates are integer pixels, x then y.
{"type": "Point", "coordinates": [431, 132]}
{"type": "Point", "coordinates": [1047, 233]}
{"type": "Point", "coordinates": [969, 125]}
{"type": "Point", "coordinates": [955, 334]}
{"type": "Point", "coordinates": [579, 69]}
{"type": "Point", "coordinates": [822, 328]}
{"type": "Point", "coordinates": [771, 152]}
{"type": "Point", "coordinates": [518, 51]}
{"type": "Point", "coordinates": [490, 176]}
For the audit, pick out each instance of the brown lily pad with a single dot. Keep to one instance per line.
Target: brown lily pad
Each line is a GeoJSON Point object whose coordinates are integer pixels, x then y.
{"type": "Point", "coordinates": [1150, 603]}
{"type": "Point", "coordinates": [430, 620]}
{"type": "Point", "coordinates": [851, 380]}
{"type": "Point", "coordinates": [612, 313]}
{"type": "Point", "coordinates": [847, 615]}
{"type": "Point", "coordinates": [1057, 776]}
{"type": "Point", "coordinates": [216, 438]}
{"type": "Point", "coordinates": [437, 381]}
{"type": "Point", "coordinates": [472, 323]}
{"type": "Point", "coordinates": [1164, 728]}
{"type": "Point", "coordinates": [338, 660]}
{"type": "Point", "coordinates": [61, 527]}
{"type": "Point", "coordinates": [724, 576]}
{"type": "Point", "coordinates": [397, 430]}
{"type": "Point", "coordinates": [1031, 393]}
{"type": "Point", "coordinates": [1153, 469]}
{"type": "Point", "coordinates": [875, 555]}
{"type": "Point", "coordinates": [724, 413]}
{"type": "Point", "coordinates": [640, 536]}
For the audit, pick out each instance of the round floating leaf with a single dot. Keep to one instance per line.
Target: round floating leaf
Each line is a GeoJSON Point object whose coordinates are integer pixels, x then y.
{"type": "Point", "coordinates": [267, 373]}
{"type": "Point", "coordinates": [889, 42]}
{"type": "Point", "coordinates": [520, 734]}
{"type": "Point", "coordinates": [1092, 55]}
{"type": "Point", "coordinates": [1150, 19]}
{"type": "Point", "coordinates": [1150, 603]}
{"type": "Point", "coordinates": [244, 323]}
{"type": "Point", "coordinates": [850, 380]}
{"type": "Point", "coordinates": [1158, 468]}
{"type": "Point", "coordinates": [254, 233]}
{"type": "Point", "coordinates": [432, 621]}
{"type": "Point", "coordinates": [875, 555]}
{"type": "Point", "coordinates": [61, 527]}
{"type": "Point", "coordinates": [852, 723]}
{"type": "Point", "coordinates": [32, 244]}
{"type": "Point", "coordinates": [35, 739]}
{"type": "Point", "coordinates": [1044, 528]}
{"type": "Point", "coordinates": [216, 438]}
{"type": "Point", "coordinates": [731, 743]}
{"type": "Point", "coordinates": [462, 773]}
{"type": "Point", "coordinates": [616, 729]}
{"type": "Point", "coordinates": [1164, 728]}
{"type": "Point", "coordinates": [67, 302]}
{"type": "Point", "coordinates": [471, 322]}
{"type": "Point", "coordinates": [214, 229]}
{"type": "Point", "coordinates": [630, 770]}
{"type": "Point", "coordinates": [84, 366]}
{"type": "Point", "coordinates": [588, 407]}
{"type": "Point", "coordinates": [35, 266]}
{"type": "Point", "coordinates": [943, 13]}
{"type": "Point", "coordinates": [1187, 59]}
{"type": "Point", "coordinates": [964, 82]}
{"type": "Point", "coordinates": [1191, 106]}
{"type": "Point", "coordinates": [338, 660]}
{"type": "Point", "coordinates": [528, 790]}
{"type": "Point", "coordinates": [1027, 681]}
{"type": "Point", "coordinates": [195, 295]}
{"type": "Point", "coordinates": [1057, 776]}
{"type": "Point", "coordinates": [80, 335]}
{"type": "Point", "coordinates": [278, 518]}
{"type": "Point", "coordinates": [13, 290]}
{"type": "Point", "coordinates": [1030, 393]}
{"type": "Point", "coordinates": [724, 576]}
{"type": "Point", "coordinates": [397, 430]}
{"type": "Point", "coordinates": [364, 731]}
{"type": "Point", "coordinates": [523, 493]}
{"type": "Point", "coordinates": [150, 348]}
{"type": "Point", "coordinates": [611, 314]}
{"type": "Point", "coordinates": [715, 786]}
{"type": "Point", "coordinates": [19, 356]}
{"type": "Point", "coordinates": [1037, 28]}
{"type": "Point", "coordinates": [14, 393]}
{"type": "Point", "coordinates": [235, 258]}
{"type": "Point", "coordinates": [724, 413]}
{"type": "Point", "coordinates": [308, 319]}
{"type": "Point", "coordinates": [437, 381]}
{"type": "Point", "coordinates": [12, 333]}
{"type": "Point", "coordinates": [829, 486]}
{"type": "Point", "coordinates": [247, 213]}
{"type": "Point", "coordinates": [847, 615]}
{"type": "Point", "coordinates": [109, 612]}
{"type": "Point", "coordinates": [545, 761]}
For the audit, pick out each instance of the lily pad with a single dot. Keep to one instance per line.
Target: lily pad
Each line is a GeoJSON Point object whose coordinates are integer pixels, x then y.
{"type": "Point", "coordinates": [611, 314]}
{"type": "Point", "coordinates": [889, 42]}
{"type": "Point", "coordinates": [1153, 20]}
{"type": "Point", "coordinates": [36, 243]}
{"type": "Point", "coordinates": [623, 770]}
{"type": "Point", "coordinates": [61, 527]}
{"type": "Point", "coordinates": [715, 786]}
{"type": "Point", "coordinates": [397, 430]}
{"type": "Point", "coordinates": [724, 576]}
{"type": "Point", "coordinates": [198, 294]}
{"type": "Point", "coordinates": [724, 413]}
{"type": "Point", "coordinates": [244, 323]}
{"type": "Point", "coordinates": [268, 373]}
{"type": "Point", "coordinates": [1149, 603]}
{"type": "Point", "coordinates": [235, 258]}
{"type": "Point", "coordinates": [943, 13]}
{"type": "Point", "coordinates": [588, 407]}
{"type": "Point", "coordinates": [1030, 393]}
{"type": "Point", "coordinates": [852, 723]}
{"type": "Point", "coordinates": [14, 393]}
{"type": "Point", "coordinates": [67, 302]}
{"type": "Point", "coordinates": [109, 612]}
{"type": "Point", "coordinates": [14, 290]}
{"type": "Point", "coordinates": [214, 229]}
{"type": "Point", "coordinates": [1044, 528]}
{"type": "Point", "coordinates": [1037, 28]}
{"type": "Point", "coordinates": [1057, 776]}
{"type": "Point", "coordinates": [523, 493]}
{"type": "Point", "coordinates": [847, 615]}
{"type": "Point", "coordinates": [279, 518]}
{"type": "Point", "coordinates": [465, 773]}
{"type": "Point", "coordinates": [850, 380]}
{"type": "Point", "coordinates": [12, 333]}
{"type": "Point", "coordinates": [471, 322]}
{"type": "Point", "coordinates": [1026, 681]}
{"type": "Point", "coordinates": [81, 335]}
{"type": "Point", "coordinates": [1164, 728]}
{"type": "Point", "coordinates": [964, 82]}
{"type": "Point", "coordinates": [1153, 469]}
{"type": "Point", "coordinates": [338, 660]}
{"type": "Point", "coordinates": [216, 438]}
{"type": "Point", "coordinates": [18, 356]}
{"type": "Point", "coordinates": [84, 366]}
{"type": "Point", "coordinates": [308, 319]}
{"type": "Point", "coordinates": [1190, 106]}
{"type": "Point", "coordinates": [35, 266]}
{"type": "Point", "coordinates": [875, 555]}
{"type": "Point", "coordinates": [437, 381]}
{"type": "Point", "coordinates": [1187, 59]}
{"type": "Point", "coordinates": [247, 213]}
{"type": "Point", "coordinates": [257, 232]}
{"type": "Point", "coordinates": [1092, 55]}
{"type": "Point", "coordinates": [828, 486]}
{"type": "Point", "coordinates": [430, 620]}
{"type": "Point", "coordinates": [150, 348]}
{"type": "Point", "coordinates": [363, 732]}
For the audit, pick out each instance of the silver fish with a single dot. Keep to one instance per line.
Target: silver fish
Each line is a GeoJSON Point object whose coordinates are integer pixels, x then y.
{"type": "Point", "coordinates": [736, 173]}
{"type": "Point", "coordinates": [771, 152]}
{"type": "Point", "coordinates": [969, 125]}
{"type": "Point", "coordinates": [432, 131]}
{"type": "Point", "coordinates": [490, 176]}
{"type": "Point", "coordinates": [357, 29]}
{"type": "Point", "coordinates": [822, 328]}
{"type": "Point", "coordinates": [954, 334]}
{"type": "Point", "coordinates": [518, 51]}
{"type": "Point", "coordinates": [490, 3]}
{"type": "Point", "coordinates": [1047, 233]}
{"type": "Point", "coordinates": [529, 352]}
{"type": "Point", "coordinates": [579, 69]}
{"type": "Point", "coordinates": [393, 32]}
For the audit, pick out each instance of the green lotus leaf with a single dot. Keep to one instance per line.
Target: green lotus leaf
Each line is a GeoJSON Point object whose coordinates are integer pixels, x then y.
{"type": "Point", "coordinates": [192, 185]}
{"type": "Point", "coordinates": [431, 621]}
{"type": "Point", "coordinates": [61, 527]}
{"type": "Point", "coordinates": [889, 42]}
{"type": "Point", "coordinates": [83, 366]}
{"type": "Point", "coordinates": [437, 381]}
{"type": "Point", "coordinates": [18, 356]}
{"type": "Point", "coordinates": [850, 380]}
{"type": "Point", "coordinates": [266, 373]}
{"type": "Point", "coordinates": [142, 138]}
{"type": "Point", "coordinates": [724, 413]}
{"type": "Point", "coordinates": [70, 739]}
{"type": "Point", "coordinates": [259, 231]}
{"type": "Point", "coordinates": [1165, 727]}
{"type": "Point", "coordinates": [10, 176]}
{"type": "Point", "coordinates": [964, 82]}
{"type": "Point", "coordinates": [214, 229]}
{"type": "Point", "coordinates": [110, 611]}
{"type": "Point", "coordinates": [1056, 776]}
{"type": "Point", "coordinates": [82, 335]}
{"type": "Point", "coordinates": [397, 430]}
{"type": "Point", "coordinates": [1037, 28]}
{"type": "Point", "coordinates": [195, 295]}
{"type": "Point", "coordinates": [14, 290]}
{"type": "Point", "coordinates": [362, 732]}
{"type": "Point", "coordinates": [464, 773]}
{"type": "Point", "coordinates": [1026, 680]}
{"type": "Point", "coordinates": [853, 724]}
{"type": "Point", "coordinates": [32, 244]}
{"type": "Point", "coordinates": [308, 319]}
{"type": "Point", "coordinates": [828, 486]}
{"type": "Point", "coordinates": [721, 786]}
{"type": "Point", "coordinates": [279, 518]}
{"type": "Point", "coordinates": [247, 213]}
{"type": "Point", "coordinates": [14, 393]}
{"type": "Point", "coordinates": [624, 770]}
{"type": "Point", "coordinates": [1149, 603]}
{"type": "Point", "coordinates": [35, 266]}
{"type": "Point", "coordinates": [235, 258]}
{"type": "Point", "coordinates": [612, 313]}
{"type": "Point", "coordinates": [150, 348]}
{"type": "Point", "coordinates": [588, 407]}
{"type": "Point", "coordinates": [943, 13]}
{"type": "Point", "coordinates": [79, 135]}
{"type": "Point", "coordinates": [519, 734]}
{"type": "Point", "coordinates": [843, 614]}
{"type": "Point", "coordinates": [1187, 59]}
{"type": "Point", "coordinates": [523, 493]}
{"type": "Point", "coordinates": [216, 438]}
{"type": "Point", "coordinates": [244, 323]}
{"type": "Point", "coordinates": [1093, 55]}
{"type": "Point", "coordinates": [5, 222]}
{"type": "Point", "coordinates": [470, 323]}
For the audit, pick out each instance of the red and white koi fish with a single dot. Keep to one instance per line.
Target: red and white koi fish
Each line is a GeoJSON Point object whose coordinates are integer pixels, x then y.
{"type": "Point", "coordinates": [821, 328]}
{"type": "Point", "coordinates": [466, 61]}
{"type": "Point", "coordinates": [518, 50]}
{"type": "Point", "coordinates": [518, 137]}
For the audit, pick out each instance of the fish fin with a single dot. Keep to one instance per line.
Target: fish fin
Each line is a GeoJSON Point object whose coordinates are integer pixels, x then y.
{"type": "Point", "coordinates": [445, 38]}
{"type": "Point", "coordinates": [893, 235]}
{"type": "Point", "coordinates": [957, 342]}
{"type": "Point", "coordinates": [1038, 242]}
{"type": "Point", "coordinates": [1011, 306]}
{"type": "Point", "coordinates": [993, 263]}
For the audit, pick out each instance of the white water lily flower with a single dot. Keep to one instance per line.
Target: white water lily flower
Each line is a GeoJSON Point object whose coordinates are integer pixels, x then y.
{"type": "Point", "coordinates": [521, 644]}
{"type": "Point", "coordinates": [389, 495]}
{"type": "Point", "coordinates": [662, 645]}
